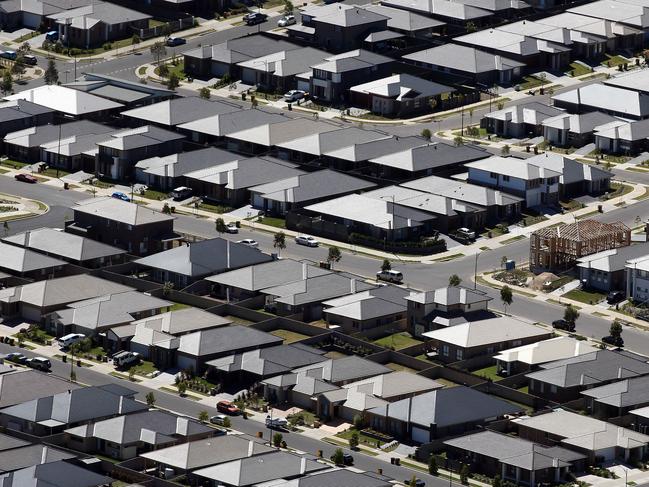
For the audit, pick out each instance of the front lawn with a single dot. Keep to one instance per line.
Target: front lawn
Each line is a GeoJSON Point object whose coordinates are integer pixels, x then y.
{"type": "Point", "coordinates": [585, 296]}
{"type": "Point", "coordinates": [397, 341]}
{"type": "Point", "coordinates": [619, 189]}
{"type": "Point", "coordinates": [143, 368]}
{"type": "Point", "coordinates": [13, 164]}
{"type": "Point", "coordinates": [532, 82]}
{"type": "Point", "coordinates": [273, 222]}
{"type": "Point", "coordinates": [614, 60]}
{"type": "Point", "coordinates": [578, 69]}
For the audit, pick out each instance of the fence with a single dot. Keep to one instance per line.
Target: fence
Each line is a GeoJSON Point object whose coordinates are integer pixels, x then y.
{"type": "Point", "coordinates": [390, 356]}
{"type": "Point", "coordinates": [162, 29]}
{"type": "Point", "coordinates": [284, 323]}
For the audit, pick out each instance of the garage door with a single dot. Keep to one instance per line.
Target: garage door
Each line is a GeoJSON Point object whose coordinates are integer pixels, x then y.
{"type": "Point", "coordinates": [184, 362]}
{"type": "Point", "coordinates": [420, 435]}
{"type": "Point", "coordinates": [31, 21]}
{"type": "Point", "coordinates": [143, 350]}
{"type": "Point", "coordinates": [30, 313]}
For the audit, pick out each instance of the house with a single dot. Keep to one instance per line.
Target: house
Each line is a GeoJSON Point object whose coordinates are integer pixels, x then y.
{"type": "Point", "coordinates": [561, 247]}
{"type": "Point", "coordinates": [250, 471]}
{"type": "Point", "coordinates": [34, 300]}
{"type": "Point", "coordinates": [600, 441]}
{"type": "Point", "coordinates": [71, 248]}
{"type": "Point", "coordinates": [304, 297]}
{"type": "Point", "coordinates": [606, 271]}
{"type": "Point", "coordinates": [538, 185]}
{"type": "Point", "coordinates": [499, 206]}
{"type": "Point", "coordinates": [56, 474]}
{"type": "Point", "coordinates": [356, 155]}
{"type": "Point", "coordinates": [168, 172]}
{"type": "Point", "coordinates": [446, 306]}
{"type": "Point", "coordinates": [416, 162]}
{"type": "Point", "coordinates": [21, 114]}
{"type": "Point", "coordinates": [520, 121]}
{"type": "Point", "coordinates": [127, 436]}
{"type": "Point", "coordinates": [439, 414]}
{"type": "Point", "coordinates": [399, 96]}
{"type": "Point", "coordinates": [118, 154]}
{"type": "Point", "coordinates": [640, 419]}
{"type": "Point", "coordinates": [574, 130]}
{"type": "Point", "coordinates": [197, 348]}
{"type": "Point", "coordinates": [409, 24]}
{"type": "Point", "coordinates": [94, 316]}
{"type": "Point", "coordinates": [177, 111]}
{"type": "Point", "coordinates": [281, 196]}
{"type": "Point", "coordinates": [619, 102]}
{"type": "Point", "coordinates": [28, 264]}
{"type": "Point", "coordinates": [514, 459]}
{"type": "Point", "coordinates": [622, 137]}
{"type": "Point", "coordinates": [52, 414]}
{"type": "Point", "coordinates": [246, 282]}
{"type": "Point", "coordinates": [456, 14]}
{"type": "Point", "coordinates": [32, 455]}
{"type": "Point", "coordinates": [367, 310]}
{"type": "Point", "coordinates": [628, 13]}
{"type": "Point", "coordinates": [188, 263]}
{"type": "Point", "coordinates": [374, 220]}
{"type": "Point", "coordinates": [298, 390]}
{"type": "Point", "coordinates": [26, 385]}
{"type": "Point", "coordinates": [194, 455]}
{"type": "Point", "coordinates": [221, 60]}
{"type": "Point", "coordinates": [15, 14]}
{"type": "Point", "coordinates": [632, 80]}
{"type": "Point", "coordinates": [341, 476]}
{"type": "Point", "coordinates": [130, 93]}
{"type": "Point", "coordinates": [74, 153]}
{"type": "Point", "coordinates": [97, 23]}
{"type": "Point", "coordinates": [332, 78]}
{"type": "Point", "coordinates": [229, 182]}
{"type": "Point", "coordinates": [25, 145]}
{"type": "Point", "coordinates": [637, 279]}
{"type": "Point", "coordinates": [563, 380]}
{"type": "Point", "coordinates": [122, 224]}
{"type": "Point", "coordinates": [67, 102]}
{"type": "Point", "coordinates": [473, 65]}
{"type": "Point", "coordinates": [618, 398]}
{"type": "Point", "coordinates": [597, 36]}
{"type": "Point", "coordinates": [485, 337]}
{"type": "Point", "coordinates": [530, 357]}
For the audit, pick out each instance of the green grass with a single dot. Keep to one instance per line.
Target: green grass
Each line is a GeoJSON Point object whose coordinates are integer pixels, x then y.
{"type": "Point", "coordinates": [273, 222]}
{"type": "Point", "coordinates": [577, 69]}
{"type": "Point", "coordinates": [103, 183]}
{"type": "Point", "coordinates": [144, 368]}
{"type": "Point", "coordinates": [141, 70]}
{"type": "Point", "coordinates": [170, 390]}
{"type": "Point", "coordinates": [614, 60]}
{"type": "Point", "coordinates": [585, 296]}
{"type": "Point", "coordinates": [399, 368]}
{"type": "Point", "coordinates": [397, 341]}
{"type": "Point", "coordinates": [220, 209]}
{"type": "Point", "coordinates": [643, 196]}
{"type": "Point", "coordinates": [26, 37]}
{"type": "Point", "coordinates": [619, 189]}
{"type": "Point", "coordinates": [154, 195]}
{"type": "Point", "coordinates": [178, 306]}
{"type": "Point", "coordinates": [53, 173]}
{"type": "Point", "coordinates": [532, 82]}
{"type": "Point", "coordinates": [588, 214]}
{"type": "Point", "coordinates": [155, 23]}
{"type": "Point", "coordinates": [14, 164]}
{"type": "Point", "coordinates": [488, 373]}
{"type": "Point", "coordinates": [363, 439]}
{"type": "Point", "coordinates": [124, 376]}
{"type": "Point", "coordinates": [179, 69]}
{"type": "Point", "coordinates": [524, 389]}
{"type": "Point", "coordinates": [512, 240]}
{"type": "Point", "coordinates": [533, 219]}
{"type": "Point", "coordinates": [288, 336]}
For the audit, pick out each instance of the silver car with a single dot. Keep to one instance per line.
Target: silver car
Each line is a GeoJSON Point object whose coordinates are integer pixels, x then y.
{"type": "Point", "coordinates": [286, 20]}
{"type": "Point", "coordinates": [306, 240]}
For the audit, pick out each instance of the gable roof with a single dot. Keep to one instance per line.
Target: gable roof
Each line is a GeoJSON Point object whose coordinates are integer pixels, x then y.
{"type": "Point", "coordinates": [227, 123]}
{"type": "Point", "coordinates": [42, 134]}
{"type": "Point", "coordinates": [404, 20]}
{"type": "Point", "coordinates": [394, 384]}
{"type": "Point", "coordinates": [343, 369]}
{"type": "Point", "coordinates": [26, 385]}
{"type": "Point", "coordinates": [121, 211]}
{"type": "Point", "coordinates": [352, 61]}
{"type": "Point", "coordinates": [54, 474]}
{"type": "Point", "coordinates": [546, 351]}
{"type": "Point", "coordinates": [449, 296]}
{"type": "Point", "coordinates": [147, 135]}
{"type": "Point", "coordinates": [27, 456]}
{"type": "Point", "coordinates": [606, 97]}
{"type": "Point", "coordinates": [625, 393]}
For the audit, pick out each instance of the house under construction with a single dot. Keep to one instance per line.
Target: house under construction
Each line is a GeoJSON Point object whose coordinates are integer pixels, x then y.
{"type": "Point", "coordinates": [559, 248]}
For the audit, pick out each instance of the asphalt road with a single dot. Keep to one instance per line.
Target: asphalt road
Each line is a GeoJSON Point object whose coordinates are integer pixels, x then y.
{"type": "Point", "coordinates": [191, 408]}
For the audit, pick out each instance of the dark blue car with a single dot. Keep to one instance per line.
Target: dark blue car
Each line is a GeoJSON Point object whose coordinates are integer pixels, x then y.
{"type": "Point", "coordinates": [120, 196]}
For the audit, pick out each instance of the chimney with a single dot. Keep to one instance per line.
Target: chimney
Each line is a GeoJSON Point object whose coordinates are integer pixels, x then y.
{"type": "Point", "coordinates": [302, 466]}
{"type": "Point", "coordinates": [305, 271]}
{"type": "Point", "coordinates": [251, 448]}
{"type": "Point", "coordinates": [352, 286]}
{"type": "Point", "coordinates": [227, 254]}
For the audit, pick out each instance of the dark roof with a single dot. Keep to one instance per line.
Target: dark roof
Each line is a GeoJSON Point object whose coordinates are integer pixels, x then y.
{"type": "Point", "coordinates": [225, 339]}
{"type": "Point", "coordinates": [8, 442]}
{"type": "Point", "coordinates": [241, 49]}
{"type": "Point", "coordinates": [42, 134]}
{"type": "Point", "coordinates": [28, 456]}
{"type": "Point", "coordinates": [344, 477]}
{"type": "Point", "coordinates": [181, 110]}
{"type": "Point", "coordinates": [17, 109]}
{"type": "Point", "coordinates": [26, 385]}
{"type": "Point", "coordinates": [624, 393]}
{"type": "Point", "coordinates": [54, 474]}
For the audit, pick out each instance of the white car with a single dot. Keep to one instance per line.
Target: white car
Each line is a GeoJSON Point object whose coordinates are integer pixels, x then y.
{"type": "Point", "coordinates": [293, 95]}
{"type": "Point", "coordinates": [286, 20]}
{"type": "Point", "coordinates": [390, 276]}
{"type": "Point", "coordinates": [218, 419]}
{"type": "Point", "coordinates": [306, 240]}
{"type": "Point", "coordinates": [231, 228]}
{"type": "Point", "coordinates": [249, 242]}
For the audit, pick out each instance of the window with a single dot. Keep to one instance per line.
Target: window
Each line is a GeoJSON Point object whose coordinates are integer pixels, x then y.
{"type": "Point", "coordinates": [459, 354]}
{"type": "Point", "coordinates": [505, 178]}
{"type": "Point", "coordinates": [445, 350]}
{"type": "Point", "coordinates": [493, 175]}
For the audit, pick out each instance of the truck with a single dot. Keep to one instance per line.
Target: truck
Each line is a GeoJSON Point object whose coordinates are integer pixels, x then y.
{"type": "Point", "coordinates": [124, 358]}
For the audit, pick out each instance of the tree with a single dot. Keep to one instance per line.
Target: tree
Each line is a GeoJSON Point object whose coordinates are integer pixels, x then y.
{"type": "Point", "coordinates": [358, 421]}
{"type": "Point", "coordinates": [496, 482]}
{"type": "Point", "coordinates": [413, 481]}
{"type": "Point", "coordinates": [354, 440]}
{"type": "Point", "coordinates": [386, 266]}
{"type": "Point", "coordinates": [24, 48]}
{"type": "Point", "coordinates": [616, 333]}
{"type": "Point", "coordinates": [7, 83]}
{"type": "Point", "coordinates": [220, 225]}
{"type": "Point", "coordinates": [167, 287]}
{"type": "Point", "coordinates": [18, 67]}
{"type": "Point", "coordinates": [182, 388]}
{"type": "Point", "coordinates": [159, 51]}
{"type": "Point", "coordinates": [51, 73]}
{"type": "Point", "coordinates": [571, 315]}
{"type": "Point", "coordinates": [470, 27]}
{"type": "Point", "coordinates": [458, 141]}
{"type": "Point", "coordinates": [166, 30]}
{"type": "Point", "coordinates": [334, 255]}
{"type": "Point", "coordinates": [150, 399]}
{"type": "Point", "coordinates": [205, 93]}
{"type": "Point", "coordinates": [288, 7]}
{"type": "Point", "coordinates": [227, 423]}
{"type": "Point", "coordinates": [203, 416]}
{"type": "Point", "coordinates": [506, 296]}
{"type": "Point", "coordinates": [338, 457]}
{"type": "Point", "coordinates": [277, 439]}
{"type": "Point", "coordinates": [131, 374]}
{"type": "Point", "coordinates": [464, 474]}
{"type": "Point", "coordinates": [504, 151]}
{"type": "Point", "coordinates": [173, 82]}
{"type": "Point", "coordinates": [279, 242]}
{"type": "Point", "coordinates": [426, 134]}
{"type": "Point", "coordinates": [454, 280]}
{"type": "Point", "coordinates": [432, 465]}
{"type": "Point", "coordinates": [135, 40]}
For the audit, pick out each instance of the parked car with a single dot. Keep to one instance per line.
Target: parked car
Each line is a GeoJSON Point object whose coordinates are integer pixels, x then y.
{"type": "Point", "coordinates": [181, 193]}
{"type": "Point", "coordinates": [306, 240]}
{"type": "Point", "coordinates": [231, 228]}
{"type": "Point", "coordinates": [294, 95]}
{"type": "Point", "coordinates": [176, 41]}
{"type": "Point", "coordinates": [347, 459]}
{"type": "Point", "coordinates": [286, 20]}
{"type": "Point", "coordinates": [615, 297]}
{"type": "Point", "coordinates": [52, 36]}
{"type": "Point", "coordinates": [390, 276]}
{"type": "Point", "coordinates": [615, 341]}
{"type": "Point", "coordinates": [418, 483]}
{"type": "Point", "coordinates": [467, 233]}
{"type": "Point", "coordinates": [120, 196]}
{"type": "Point", "coordinates": [12, 55]}
{"type": "Point", "coordinates": [254, 18]}
{"type": "Point", "coordinates": [124, 358]}
{"type": "Point", "coordinates": [39, 363]}
{"type": "Point", "coordinates": [16, 357]}
{"type": "Point", "coordinates": [563, 325]}
{"type": "Point", "coordinates": [70, 339]}
{"type": "Point", "coordinates": [218, 419]}
{"type": "Point", "coordinates": [226, 407]}
{"type": "Point", "coordinates": [31, 60]}
{"type": "Point", "coordinates": [276, 423]}
{"type": "Point", "coordinates": [249, 242]}
{"type": "Point", "coordinates": [26, 178]}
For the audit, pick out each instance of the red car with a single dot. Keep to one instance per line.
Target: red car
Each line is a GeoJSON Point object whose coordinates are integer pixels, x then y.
{"type": "Point", "coordinates": [26, 178]}
{"type": "Point", "coordinates": [227, 407]}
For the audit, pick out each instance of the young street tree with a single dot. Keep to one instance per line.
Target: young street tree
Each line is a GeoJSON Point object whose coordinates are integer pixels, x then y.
{"type": "Point", "coordinates": [173, 82]}
{"type": "Point", "coordinates": [432, 465]}
{"type": "Point", "coordinates": [7, 83]}
{"type": "Point", "coordinates": [220, 225]}
{"type": "Point", "coordinates": [279, 242]}
{"type": "Point", "coordinates": [426, 134]}
{"type": "Point", "coordinates": [277, 439]}
{"type": "Point", "coordinates": [150, 399]}
{"type": "Point", "coordinates": [354, 440]}
{"type": "Point", "coordinates": [203, 416]}
{"type": "Point", "coordinates": [615, 333]}
{"type": "Point", "coordinates": [338, 457]}
{"type": "Point", "coordinates": [506, 296]}
{"type": "Point", "coordinates": [386, 266]}
{"type": "Point", "coordinates": [159, 51]}
{"type": "Point", "coordinates": [205, 93]}
{"type": "Point", "coordinates": [454, 280]}
{"type": "Point", "coordinates": [571, 315]}
{"type": "Point", "coordinates": [18, 67]}
{"type": "Point", "coordinates": [334, 255]}
{"type": "Point", "coordinates": [51, 73]}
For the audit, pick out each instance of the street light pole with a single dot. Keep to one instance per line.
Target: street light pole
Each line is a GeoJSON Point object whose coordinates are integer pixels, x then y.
{"type": "Point", "coordinates": [475, 272]}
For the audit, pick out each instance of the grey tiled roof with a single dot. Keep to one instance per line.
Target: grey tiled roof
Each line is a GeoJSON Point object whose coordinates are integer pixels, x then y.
{"type": "Point", "coordinates": [28, 456]}
{"type": "Point", "coordinates": [26, 385]}
{"type": "Point", "coordinates": [181, 110]}
{"type": "Point", "coordinates": [176, 165]}
{"type": "Point", "coordinates": [54, 474]}
{"type": "Point", "coordinates": [121, 211]}
{"type": "Point", "coordinates": [19, 260]}
{"type": "Point", "coordinates": [463, 58]}
{"type": "Point", "coordinates": [225, 339]}
{"type": "Point", "coordinates": [42, 134]}
{"type": "Point", "coordinates": [624, 393]}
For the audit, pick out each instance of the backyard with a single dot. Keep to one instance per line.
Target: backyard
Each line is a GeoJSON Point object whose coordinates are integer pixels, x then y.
{"type": "Point", "coordinates": [288, 336]}
{"type": "Point", "coordinates": [397, 341]}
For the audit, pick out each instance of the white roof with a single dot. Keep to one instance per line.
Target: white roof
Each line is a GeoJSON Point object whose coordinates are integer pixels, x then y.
{"type": "Point", "coordinates": [559, 348]}
{"type": "Point", "coordinates": [619, 11]}
{"type": "Point", "coordinates": [65, 100]}
{"type": "Point", "coordinates": [513, 167]}
{"type": "Point", "coordinates": [607, 97]}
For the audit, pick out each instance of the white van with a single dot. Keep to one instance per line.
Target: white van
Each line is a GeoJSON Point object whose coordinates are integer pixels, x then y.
{"type": "Point", "coordinates": [390, 276]}
{"type": "Point", "coordinates": [70, 339]}
{"type": "Point", "coordinates": [124, 358]}
{"type": "Point", "coordinates": [181, 193]}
